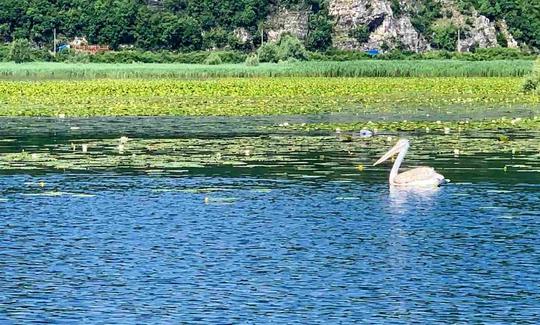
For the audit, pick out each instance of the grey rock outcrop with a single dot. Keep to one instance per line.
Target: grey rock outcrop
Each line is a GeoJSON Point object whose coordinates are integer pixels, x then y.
{"type": "Point", "coordinates": [294, 22]}
{"type": "Point", "coordinates": [389, 24]}
{"type": "Point", "coordinates": [481, 34]}
{"type": "Point", "coordinates": [510, 41]}
{"type": "Point", "coordinates": [387, 29]}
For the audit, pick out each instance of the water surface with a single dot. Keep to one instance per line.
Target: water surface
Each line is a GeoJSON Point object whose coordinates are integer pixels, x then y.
{"type": "Point", "coordinates": [223, 221]}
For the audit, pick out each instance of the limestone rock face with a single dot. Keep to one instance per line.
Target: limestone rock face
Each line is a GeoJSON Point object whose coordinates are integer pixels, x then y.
{"type": "Point", "coordinates": [387, 29]}
{"type": "Point", "coordinates": [477, 31]}
{"type": "Point", "coordinates": [389, 23]}
{"type": "Point", "coordinates": [482, 34]}
{"type": "Point", "coordinates": [284, 21]}
{"type": "Point", "coordinates": [510, 41]}
{"type": "Point", "coordinates": [398, 33]}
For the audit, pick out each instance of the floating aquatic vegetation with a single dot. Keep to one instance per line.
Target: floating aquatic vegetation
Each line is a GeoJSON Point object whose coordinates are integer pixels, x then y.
{"type": "Point", "coordinates": [446, 127]}
{"type": "Point", "coordinates": [262, 96]}
{"type": "Point", "coordinates": [308, 151]}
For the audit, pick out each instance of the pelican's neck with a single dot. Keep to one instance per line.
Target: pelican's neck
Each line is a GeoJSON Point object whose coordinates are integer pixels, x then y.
{"type": "Point", "coordinates": [397, 164]}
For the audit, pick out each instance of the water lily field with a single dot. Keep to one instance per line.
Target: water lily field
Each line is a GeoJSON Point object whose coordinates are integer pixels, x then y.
{"type": "Point", "coordinates": [261, 96]}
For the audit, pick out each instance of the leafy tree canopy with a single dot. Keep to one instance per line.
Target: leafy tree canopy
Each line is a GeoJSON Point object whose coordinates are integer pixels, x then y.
{"type": "Point", "coordinates": [201, 24]}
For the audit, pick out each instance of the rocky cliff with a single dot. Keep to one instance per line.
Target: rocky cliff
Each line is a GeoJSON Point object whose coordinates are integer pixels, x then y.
{"type": "Point", "coordinates": [386, 28]}
{"type": "Point", "coordinates": [389, 25]}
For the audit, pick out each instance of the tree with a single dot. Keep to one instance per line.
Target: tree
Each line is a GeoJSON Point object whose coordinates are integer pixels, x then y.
{"type": "Point", "coordinates": [320, 32]}
{"type": "Point", "coordinates": [20, 51]}
{"type": "Point", "coordinates": [216, 38]}
{"type": "Point", "coordinates": [444, 36]}
{"type": "Point", "coordinates": [268, 52]}
{"type": "Point", "coordinates": [360, 33]}
{"type": "Point", "coordinates": [428, 11]}
{"type": "Point", "coordinates": [213, 59]}
{"type": "Point", "coordinates": [181, 24]}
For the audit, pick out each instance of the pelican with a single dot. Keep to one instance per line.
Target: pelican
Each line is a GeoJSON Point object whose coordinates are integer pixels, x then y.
{"type": "Point", "coordinates": [417, 177]}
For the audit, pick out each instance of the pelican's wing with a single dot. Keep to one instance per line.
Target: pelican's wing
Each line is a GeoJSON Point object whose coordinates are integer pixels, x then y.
{"type": "Point", "coordinates": [416, 175]}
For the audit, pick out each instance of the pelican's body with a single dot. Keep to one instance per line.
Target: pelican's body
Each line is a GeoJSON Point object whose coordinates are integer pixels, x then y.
{"type": "Point", "coordinates": [417, 177]}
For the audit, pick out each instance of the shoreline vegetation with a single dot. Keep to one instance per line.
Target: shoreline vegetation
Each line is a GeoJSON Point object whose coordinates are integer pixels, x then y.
{"type": "Point", "coordinates": [358, 68]}
{"type": "Point", "coordinates": [263, 96]}
{"type": "Point", "coordinates": [22, 51]}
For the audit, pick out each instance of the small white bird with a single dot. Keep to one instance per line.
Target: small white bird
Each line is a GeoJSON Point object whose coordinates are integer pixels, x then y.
{"type": "Point", "coordinates": [364, 133]}
{"type": "Point", "coordinates": [418, 177]}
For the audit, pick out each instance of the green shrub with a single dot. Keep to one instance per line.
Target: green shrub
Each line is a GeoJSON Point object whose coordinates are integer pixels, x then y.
{"type": "Point", "coordinates": [427, 11]}
{"type": "Point", "coordinates": [69, 56]}
{"type": "Point", "coordinates": [291, 47]}
{"type": "Point", "coordinates": [338, 55]}
{"type": "Point", "coordinates": [213, 59]}
{"type": "Point", "coordinates": [20, 51]}
{"type": "Point", "coordinates": [444, 36]}
{"type": "Point", "coordinates": [532, 82]}
{"type": "Point", "coordinates": [216, 38]}
{"type": "Point", "coordinates": [136, 56]}
{"type": "Point", "coordinates": [4, 53]}
{"type": "Point", "coordinates": [320, 32]}
{"type": "Point", "coordinates": [268, 52]}
{"type": "Point", "coordinates": [290, 60]}
{"type": "Point", "coordinates": [191, 57]}
{"type": "Point", "coordinates": [500, 53]}
{"type": "Point", "coordinates": [436, 55]}
{"type": "Point", "coordinates": [396, 55]}
{"type": "Point", "coordinates": [360, 33]}
{"type": "Point", "coordinates": [252, 60]}
{"type": "Point", "coordinates": [396, 8]}
{"type": "Point", "coordinates": [78, 58]}
{"type": "Point", "coordinates": [501, 40]}
{"type": "Point", "coordinates": [232, 56]}
{"type": "Point", "coordinates": [42, 55]}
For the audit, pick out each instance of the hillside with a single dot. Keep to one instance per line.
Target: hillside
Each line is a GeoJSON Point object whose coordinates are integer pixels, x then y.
{"type": "Point", "coordinates": [188, 25]}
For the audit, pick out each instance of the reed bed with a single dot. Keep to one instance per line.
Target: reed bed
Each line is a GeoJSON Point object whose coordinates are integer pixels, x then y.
{"type": "Point", "coordinates": [364, 68]}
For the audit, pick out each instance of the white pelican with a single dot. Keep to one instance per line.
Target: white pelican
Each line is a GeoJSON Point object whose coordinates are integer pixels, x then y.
{"type": "Point", "coordinates": [421, 176]}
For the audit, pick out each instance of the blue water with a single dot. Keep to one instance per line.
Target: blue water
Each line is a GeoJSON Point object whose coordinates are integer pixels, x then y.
{"type": "Point", "coordinates": [116, 247]}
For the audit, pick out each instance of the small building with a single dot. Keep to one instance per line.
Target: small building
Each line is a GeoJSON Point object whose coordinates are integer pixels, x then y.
{"type": "Point", "coordinates": [373, 52]}
{"type": "Point", "coordinates": [80, 45]}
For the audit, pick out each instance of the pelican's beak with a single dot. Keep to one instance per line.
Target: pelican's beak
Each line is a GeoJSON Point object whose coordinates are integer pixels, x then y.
{"type": "Point", "coordinates": [395, 149]}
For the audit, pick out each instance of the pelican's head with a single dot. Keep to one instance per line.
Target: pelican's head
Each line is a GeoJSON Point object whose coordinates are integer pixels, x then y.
{"type": "Point", "coordinates": [400, 145]}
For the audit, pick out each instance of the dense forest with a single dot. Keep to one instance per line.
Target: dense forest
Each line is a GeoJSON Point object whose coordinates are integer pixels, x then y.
{"type": "Point", "coordinates": [189, 25]}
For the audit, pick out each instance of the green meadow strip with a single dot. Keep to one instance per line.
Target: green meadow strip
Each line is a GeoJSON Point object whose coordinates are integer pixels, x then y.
{"type": "Point", "coordinates": [362, 68]}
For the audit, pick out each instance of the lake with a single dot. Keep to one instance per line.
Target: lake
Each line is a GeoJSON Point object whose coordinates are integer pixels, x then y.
{"type": "Point", "coordinates": [223, 220]}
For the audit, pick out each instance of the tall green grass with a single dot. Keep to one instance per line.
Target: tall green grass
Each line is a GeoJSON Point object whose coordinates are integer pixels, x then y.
{"type": "Point", "coordinates": [424, 68]}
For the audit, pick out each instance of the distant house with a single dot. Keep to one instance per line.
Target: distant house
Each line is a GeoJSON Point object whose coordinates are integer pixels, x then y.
{"type": "Point", "coordinates": [80, 45]}
{"type": "Point", "coordinates": [79, 41]}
